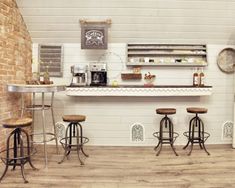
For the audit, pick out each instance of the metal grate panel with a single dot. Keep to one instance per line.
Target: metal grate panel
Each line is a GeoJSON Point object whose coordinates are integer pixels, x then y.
{"type": "Point", "coordinates": [50, 58]}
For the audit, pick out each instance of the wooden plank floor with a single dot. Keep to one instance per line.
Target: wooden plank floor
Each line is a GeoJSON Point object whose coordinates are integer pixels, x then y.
{"type": "Point", "coordinates": [127, 167]}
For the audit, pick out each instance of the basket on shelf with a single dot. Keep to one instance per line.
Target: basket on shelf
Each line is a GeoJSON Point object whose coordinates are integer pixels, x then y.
{"type": "Point", "coordinates": [131, 76]}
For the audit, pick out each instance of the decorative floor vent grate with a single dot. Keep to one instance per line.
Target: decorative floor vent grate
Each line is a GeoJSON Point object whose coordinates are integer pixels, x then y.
{"type": "Point", "coordinates": [227, 130]}
{"type": "Point", "coordinates": [60, 130]}
{"type": "Point", "coordinates": [137, 132]}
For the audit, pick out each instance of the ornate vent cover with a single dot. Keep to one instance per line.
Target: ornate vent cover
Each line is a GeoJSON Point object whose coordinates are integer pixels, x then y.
{"type": "Point", "coordinates": [60, 130]}
{"type": "Point", "coordinates": [137, 132]}
{"type": "Point", "coordinates": [227, 130]}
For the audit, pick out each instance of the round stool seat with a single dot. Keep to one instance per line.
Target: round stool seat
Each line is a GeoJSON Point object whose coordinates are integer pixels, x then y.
{"type": "Point", "coordinates": [197, 110]}
{"type": "Point", "coordinates": [166, 111]}
{"type": "Point", "coordinates": [17, 122]}
{"type": "Point", "coordinates": [74, 118]}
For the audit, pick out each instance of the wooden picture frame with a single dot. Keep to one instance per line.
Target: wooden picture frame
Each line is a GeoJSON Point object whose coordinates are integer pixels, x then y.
{"type": "Point", "coordinates": [94, 36]}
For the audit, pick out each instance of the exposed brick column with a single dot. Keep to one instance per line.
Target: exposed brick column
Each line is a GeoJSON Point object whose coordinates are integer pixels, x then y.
{"type": "Point", "coordinates": [15, 59]}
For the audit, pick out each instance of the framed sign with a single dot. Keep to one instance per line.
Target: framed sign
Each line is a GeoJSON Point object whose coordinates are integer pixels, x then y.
{"type": "Point", "coordinates": [94, 37]}
{"type": "Point", "coordinates": [94, 34]}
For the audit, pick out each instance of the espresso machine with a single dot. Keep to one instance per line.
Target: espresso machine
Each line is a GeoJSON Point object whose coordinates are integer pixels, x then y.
{"type": "Point", "coordinates": [98, 74]}
{"type": "Point", "coordinates": [79, 75]}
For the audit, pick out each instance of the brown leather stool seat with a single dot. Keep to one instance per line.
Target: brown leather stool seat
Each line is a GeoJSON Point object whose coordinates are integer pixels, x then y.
{"type": "Point", "coordinates": [18, 153]}
{"type": "Point", "coordinates": [74, 118]}
{"type": "Point", "coordinates": [196, 110]}
{"type": "Point", "coordinates": [167, 111]}
{"type": "Point", "coordinates": [17, 122]}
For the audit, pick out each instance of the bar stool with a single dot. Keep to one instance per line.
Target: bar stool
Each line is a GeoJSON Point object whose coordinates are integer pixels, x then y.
{"type": "Point", "coordinates": [16, 155]}
{"type": "Point", "coordinates": [196, 133]}
{"type": "Point", "coordinates": [166, 134]}
{"type": "Point", "coordinates": [74, 139]}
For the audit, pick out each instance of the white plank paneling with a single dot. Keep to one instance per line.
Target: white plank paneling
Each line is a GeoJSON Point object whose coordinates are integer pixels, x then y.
{"type": "Point", "coordinates": [178, 21]}
{"type": "Point", "coordinates": [140, 12]}
{"type": "Point", "coordinates": [197, 4]}
{"type": "Point", "coordinates": [109, 118]}
{"type": "Point", "coordinates": [136, 27]}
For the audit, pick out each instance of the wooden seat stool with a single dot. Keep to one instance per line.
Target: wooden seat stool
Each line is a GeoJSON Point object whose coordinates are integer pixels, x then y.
{"type": "Point", "coordinates": [166, 134]}
{"type": "Point", "coordinates": [74, 139]}
{"type": "Point", "coordinates": [196, 133]}
{"type": "Point", "coordinates": [18, 155]}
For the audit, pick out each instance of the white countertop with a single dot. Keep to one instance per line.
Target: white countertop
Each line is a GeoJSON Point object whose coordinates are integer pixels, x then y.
{"type": "Point", "coordinates": [25, 88]}
{"type": "Point", "coordinates": [139, 91]}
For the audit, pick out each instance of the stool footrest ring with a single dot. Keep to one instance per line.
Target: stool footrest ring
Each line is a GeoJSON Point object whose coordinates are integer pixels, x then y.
{"type": "Point", "coordinates": [33, 151]}
{"type": "Point", "coordinates": [157, 135]}
{"type": "Point", "coordinates": [84, 141]}
{"type": "Point", "coordinates": [206, 135]}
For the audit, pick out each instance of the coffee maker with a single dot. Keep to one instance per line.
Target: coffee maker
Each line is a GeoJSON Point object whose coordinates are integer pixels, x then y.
{"type": "Point", "coordinates": [98, 74]}
{"type": "Point", "coordinates": [79, 75]}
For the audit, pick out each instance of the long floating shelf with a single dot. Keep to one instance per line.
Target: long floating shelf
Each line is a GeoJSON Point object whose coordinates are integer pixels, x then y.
{"type": "Point", "coordinates": [138, 91]}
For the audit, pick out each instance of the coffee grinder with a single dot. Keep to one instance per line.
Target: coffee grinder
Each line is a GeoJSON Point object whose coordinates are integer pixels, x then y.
{"type": "Point", "coordinates": [79, 75]}
{"type": "Point", "coordinates": [98, 74]}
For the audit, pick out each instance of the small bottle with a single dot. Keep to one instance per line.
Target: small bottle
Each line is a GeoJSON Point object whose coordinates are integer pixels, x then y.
{"type": "Point", "coordinates": [195, 78]}
{"type": "Point", "coordinates": [202, 78]}
{"type": "Point", "coordinates": [46, 76]}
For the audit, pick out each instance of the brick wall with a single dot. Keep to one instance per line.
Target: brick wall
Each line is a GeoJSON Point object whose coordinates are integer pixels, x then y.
{"type": "Point", "coordinates": [15, 59]}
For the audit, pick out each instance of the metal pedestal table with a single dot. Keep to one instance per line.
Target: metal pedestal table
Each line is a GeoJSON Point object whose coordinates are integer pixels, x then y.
{"type": "Point", "coordinates": [41, 89]}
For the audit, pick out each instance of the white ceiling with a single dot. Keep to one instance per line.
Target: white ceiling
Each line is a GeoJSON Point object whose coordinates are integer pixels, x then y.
{"type": "Point", "coordinates": [161, 21]}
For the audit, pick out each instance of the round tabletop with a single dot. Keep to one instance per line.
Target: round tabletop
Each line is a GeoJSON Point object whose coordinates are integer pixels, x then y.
{"type": "Point", "coordinates": [25, 88]}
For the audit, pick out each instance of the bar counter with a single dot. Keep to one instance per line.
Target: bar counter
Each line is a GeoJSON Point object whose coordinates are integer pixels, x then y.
{"type": "Point", "coordinates": [139, 90]}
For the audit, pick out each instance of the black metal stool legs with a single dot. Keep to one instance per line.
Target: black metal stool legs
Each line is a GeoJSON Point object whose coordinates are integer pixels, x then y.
{"type": "Point", "coordinates": [16, 138]}
{"type": "Point", "coordinates": [5, 171]}
{"type": "Point", "coordinates": [157, 145]}
{"type": "Point", "coordinates": [196, 134]}
{"type": "Point", "coordinates": [68, 143]}
{"type": "Point", "coordinates": [161, 135]}
{"type": "Point", "coordinates": [79, 145]}
{"type": "Point", "coordinates": [190, 127]}
{"type": "Point", "coordinates": [65, 145]}
{"type": "Point", "coordinates": [203, 139]}
{"type": "Point", "coordinates": [166, 137]}
{"type": "Point", "coordinates": [7, 162]}
{"type": "Point", "coordinates": [82, 140]}
{"type": "Point", "coordinates": [18, 159]}
{"type": "Point", "coordinates": [22, 159]}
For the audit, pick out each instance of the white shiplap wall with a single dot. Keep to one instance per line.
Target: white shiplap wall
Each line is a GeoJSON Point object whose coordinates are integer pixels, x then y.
{"type": "Point", "coordinates": [109, 118]}
{"type": "Point", "coordinates": [160, 21]}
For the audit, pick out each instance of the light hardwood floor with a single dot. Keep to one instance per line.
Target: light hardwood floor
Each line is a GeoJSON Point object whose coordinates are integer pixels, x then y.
{"type": "Point", "coordinates": [127, 167]}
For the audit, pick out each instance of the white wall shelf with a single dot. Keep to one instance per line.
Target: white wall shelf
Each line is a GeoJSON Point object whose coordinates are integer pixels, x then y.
{"type": "Point", "coordinates": [166, 55]}
{"type": "Point", "coordinates": [139, 91]}
{"type": "Point", "coordinates": [167, 64]}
